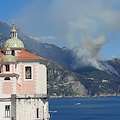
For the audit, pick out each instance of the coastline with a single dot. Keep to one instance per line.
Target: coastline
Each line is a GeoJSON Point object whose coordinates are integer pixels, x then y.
{"type": "Point", "coordinates": [78, 96]}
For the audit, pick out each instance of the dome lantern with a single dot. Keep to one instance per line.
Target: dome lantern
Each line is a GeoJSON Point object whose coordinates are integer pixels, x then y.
{"type": "Point", "coordinates": [8, 51]}
{"type": "Point", "coordinates": [13, 32]}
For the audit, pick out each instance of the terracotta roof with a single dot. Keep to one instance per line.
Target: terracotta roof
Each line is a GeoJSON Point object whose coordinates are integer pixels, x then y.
{"type": "Point", "coordinates": [8, 74]}
{"type": "Point", "coordinates": [1, 55]}
{"type": "Point", "coordinates": [24, 55]}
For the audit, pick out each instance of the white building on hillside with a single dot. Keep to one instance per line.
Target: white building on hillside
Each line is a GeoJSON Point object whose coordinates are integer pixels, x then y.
{"type": "Point", "coordinates": [23, 83]}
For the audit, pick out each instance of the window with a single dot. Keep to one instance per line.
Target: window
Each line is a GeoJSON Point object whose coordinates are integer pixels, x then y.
{"type": "Point", "coordinates": [7, 78]}
{"type": "Point", "coordinates": [7, 67]}
{"type": "Point", "coordinates": [37, 112]}
{"type": "Point", "coordinates": [7, 110]}
{"type": "Point", "coordinates": [13, 52]}
{"type": "Point", "coordinates": [28, 73]}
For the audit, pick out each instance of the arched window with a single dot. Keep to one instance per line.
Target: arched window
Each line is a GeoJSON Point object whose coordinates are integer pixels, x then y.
{"type": "Point", "coordinates": [7, 78]}
{"type": "Point", "coordinates": [28, 72]}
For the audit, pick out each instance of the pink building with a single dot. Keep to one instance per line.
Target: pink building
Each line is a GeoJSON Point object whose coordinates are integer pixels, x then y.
{"type": "Point", "coordinates": [23, 83]}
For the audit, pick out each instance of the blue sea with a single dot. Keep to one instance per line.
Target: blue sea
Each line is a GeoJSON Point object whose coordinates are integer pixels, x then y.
{"type": "Point", "coordinates": [96, 108]}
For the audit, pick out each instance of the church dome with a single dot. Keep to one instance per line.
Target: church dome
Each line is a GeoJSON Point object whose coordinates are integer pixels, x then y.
{"type": "Point", "coordinates": [8, 59]}
{"type": "Point", "coordinates": [13, 43]}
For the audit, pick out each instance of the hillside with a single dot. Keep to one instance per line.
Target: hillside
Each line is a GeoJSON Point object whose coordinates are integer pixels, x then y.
{"type": "Point", "coordinates": [63, 80]}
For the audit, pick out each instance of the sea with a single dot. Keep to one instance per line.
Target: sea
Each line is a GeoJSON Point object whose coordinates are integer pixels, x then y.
{"type": "Point", "coordinates": [88, 108]}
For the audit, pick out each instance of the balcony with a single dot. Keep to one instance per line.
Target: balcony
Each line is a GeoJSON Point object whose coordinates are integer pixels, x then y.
{"type": "Point", "coordinates": [31, 96]}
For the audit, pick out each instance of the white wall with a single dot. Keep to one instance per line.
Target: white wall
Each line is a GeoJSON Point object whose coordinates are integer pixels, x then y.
{"type": "Point", "coordinates": [27, 109]}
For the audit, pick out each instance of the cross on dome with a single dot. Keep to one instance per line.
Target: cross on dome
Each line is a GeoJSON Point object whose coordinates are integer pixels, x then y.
{"type": "Point", "coordinates": [13, 25]}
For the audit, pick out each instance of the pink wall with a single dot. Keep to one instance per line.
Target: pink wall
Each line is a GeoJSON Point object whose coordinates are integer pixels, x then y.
{"type": "Point", "coordinates": [26, 87]}
{"type": "Point", "coordinates": [23, 87]}
{"type": "Point", "coordinates": [7, 87]}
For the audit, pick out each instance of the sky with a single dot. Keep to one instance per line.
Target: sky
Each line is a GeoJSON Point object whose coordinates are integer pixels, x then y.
{"type": "Point", "coordinates": [94, 24]}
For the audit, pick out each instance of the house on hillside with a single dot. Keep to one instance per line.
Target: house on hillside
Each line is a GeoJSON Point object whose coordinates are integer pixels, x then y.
{"type": "Point", "coordinates": [23, 83]}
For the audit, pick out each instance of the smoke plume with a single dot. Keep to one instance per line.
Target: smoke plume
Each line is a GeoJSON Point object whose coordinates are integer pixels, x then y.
{"type": "Point", "coordinates": [87, 54]}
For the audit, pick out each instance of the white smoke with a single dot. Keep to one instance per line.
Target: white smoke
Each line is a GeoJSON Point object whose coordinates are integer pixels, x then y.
{"type": "Point", "coordinates": [87, 54]}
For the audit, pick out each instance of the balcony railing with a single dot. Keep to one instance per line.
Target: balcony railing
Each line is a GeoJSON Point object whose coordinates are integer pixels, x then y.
{"type": "Point", "coordinates": [32, 96]}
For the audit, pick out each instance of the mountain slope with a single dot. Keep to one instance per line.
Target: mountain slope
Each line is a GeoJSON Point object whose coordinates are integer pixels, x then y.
{"type": "Point", "coordinates": [62, 56]}
{"type": "Point", "coordinates": [62, 82]}
{"type": "Point", "coordinates": [87, 81]}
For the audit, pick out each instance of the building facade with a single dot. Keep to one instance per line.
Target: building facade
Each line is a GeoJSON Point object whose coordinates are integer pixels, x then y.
{"type": "Point", "coordinates": [23, 82]}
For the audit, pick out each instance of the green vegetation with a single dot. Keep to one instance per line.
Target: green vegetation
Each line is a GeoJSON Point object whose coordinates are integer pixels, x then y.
{"type": "Point", "coordinates": [96, 82]}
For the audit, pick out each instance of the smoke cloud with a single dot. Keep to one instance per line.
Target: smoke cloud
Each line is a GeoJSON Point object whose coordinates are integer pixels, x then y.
{"type": "Point", "coordinates": [87, 54]}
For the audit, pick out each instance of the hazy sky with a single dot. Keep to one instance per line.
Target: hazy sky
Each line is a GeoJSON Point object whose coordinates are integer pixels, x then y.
{"type": "Point", "coordinates": [68, 22]}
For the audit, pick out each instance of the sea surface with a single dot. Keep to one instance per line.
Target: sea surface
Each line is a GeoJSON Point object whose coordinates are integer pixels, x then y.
{"type": "Point", "coordinates": [97, 108]}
